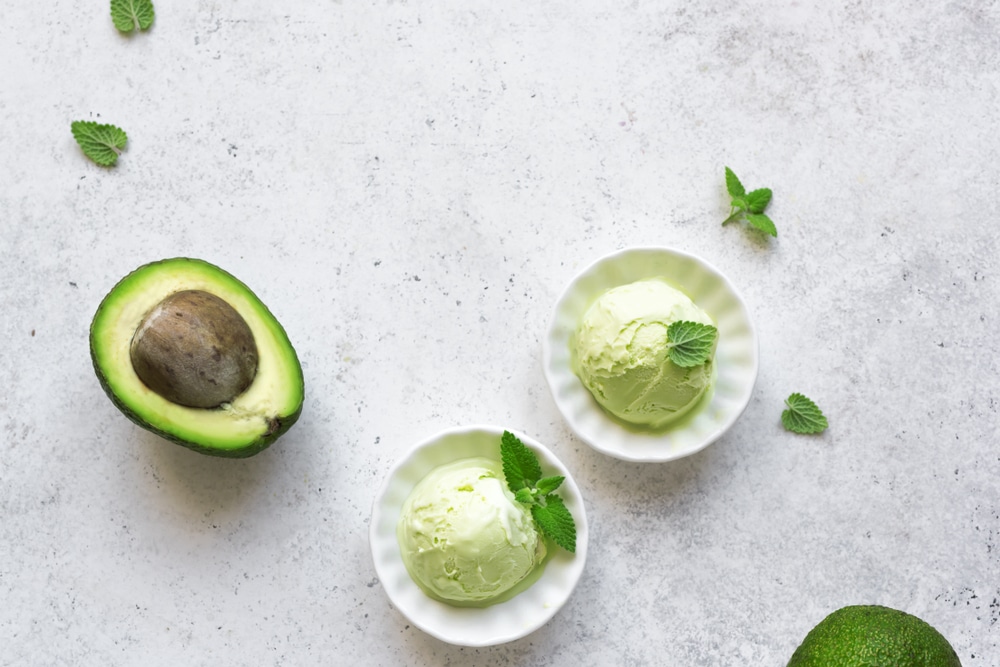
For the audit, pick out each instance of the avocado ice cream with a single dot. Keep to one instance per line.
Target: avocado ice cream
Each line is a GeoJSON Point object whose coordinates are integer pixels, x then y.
{"type": "Point", "coordinates": [463, 537]}
{"type": "Point", "coordinates": [620, 353]}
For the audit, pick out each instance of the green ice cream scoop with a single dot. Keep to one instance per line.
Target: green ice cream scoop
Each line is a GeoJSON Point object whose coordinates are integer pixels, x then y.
{"type": "Point", "coordinates": [463, 537]}
{"type": "Point", "coordinates": [620, 353]}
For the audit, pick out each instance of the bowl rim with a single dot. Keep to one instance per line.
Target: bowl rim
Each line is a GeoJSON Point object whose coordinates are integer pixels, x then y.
{"type": "Point", "coordinates": [491, 635]}
{"type": "Point", "coordinates": [553, 373]}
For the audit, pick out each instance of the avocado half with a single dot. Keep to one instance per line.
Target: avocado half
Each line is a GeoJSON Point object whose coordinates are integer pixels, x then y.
{"type": "Point", "coordinates": [242, 426]}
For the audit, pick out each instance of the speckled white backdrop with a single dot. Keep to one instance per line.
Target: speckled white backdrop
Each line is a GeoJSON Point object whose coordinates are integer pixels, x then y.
{"type": "Point", "coordinates": [408, 186]}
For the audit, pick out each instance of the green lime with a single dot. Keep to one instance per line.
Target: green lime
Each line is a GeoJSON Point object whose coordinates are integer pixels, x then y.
{"type": "Point", "coordinates": [873, 636]}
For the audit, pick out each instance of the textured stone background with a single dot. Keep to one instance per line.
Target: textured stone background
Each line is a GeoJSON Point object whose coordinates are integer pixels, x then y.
{"type": "Point", "coordinates": [408, 186]}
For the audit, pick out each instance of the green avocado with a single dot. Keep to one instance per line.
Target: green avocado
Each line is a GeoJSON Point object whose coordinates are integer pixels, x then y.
{"type": "Point", "coordinates": [187, 351]}
{"type": "Point", "coordinates": [873, 636]}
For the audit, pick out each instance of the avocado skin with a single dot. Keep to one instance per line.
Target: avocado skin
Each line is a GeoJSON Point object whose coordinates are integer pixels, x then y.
{"type": "Point", "coordinates": [282, 423]}
{"type": "Point", "coordinates": [253, 448]}
{"type": "Point", "coordinates": [873, 636]}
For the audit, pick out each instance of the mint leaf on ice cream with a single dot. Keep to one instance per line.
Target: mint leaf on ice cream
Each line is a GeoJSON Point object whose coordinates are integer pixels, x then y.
{"type": "Point", "coordinates": [524, 478]}
{"type": "Point", "coordinates": [555, 520]}
{"type": "Point", "coordinates": [691, 343]}
{"type": "Point", "coordinates": [547, 485]}
{"type": "Point", "coordinates": [520, 465]}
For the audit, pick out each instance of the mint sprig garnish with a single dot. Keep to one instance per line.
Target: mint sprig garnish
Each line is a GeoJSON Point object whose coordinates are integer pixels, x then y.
{"type": "Point", "coordinates": [129, 15]}
{"type": "Point", "coordinates": [749, 204]}
{"type": "Point", "coordinates": [101, 143]}
{"type": "Point", "coordinates": [524, 478]}
{"type": "Point", "coordinates": [520, 465]}
{"type": "Point", "coordinates": [554, 519]}
{"type": "Point", "coordinates": [690, 343]}
{"type": "Point", "coordinates": [803, 416]}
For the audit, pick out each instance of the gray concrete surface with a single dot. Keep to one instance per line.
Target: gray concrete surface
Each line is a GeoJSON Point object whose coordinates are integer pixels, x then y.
{"type": "Point", "coordinates": [409, 186]}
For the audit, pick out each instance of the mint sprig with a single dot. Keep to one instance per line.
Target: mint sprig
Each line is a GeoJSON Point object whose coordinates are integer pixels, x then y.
{"type": "Point", "coordinates": [803, 416]}
{"type": "Point", "coordinates": [129, 15]}
{"type": "Point", "coordinates": [690, 343]}
{"type": "Point", "coordinates": [520, 465]}
{"type": "Point", "coordinates": [101, 143]}
{"type": "Point", "coordinates": [749, 204]}
{"type": "Point", "coordinates": [524, 478]}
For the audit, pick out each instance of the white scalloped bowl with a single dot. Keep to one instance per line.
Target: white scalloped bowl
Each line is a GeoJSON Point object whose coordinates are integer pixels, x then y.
{"type": "Point", "coordinates": [736, 357]}
{"type": "Point", "coordinates": [467, 626]}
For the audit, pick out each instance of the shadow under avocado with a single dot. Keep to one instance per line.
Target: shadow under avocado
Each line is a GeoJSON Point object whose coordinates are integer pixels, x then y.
{"type": "Point", "coordinates": [203, 483]}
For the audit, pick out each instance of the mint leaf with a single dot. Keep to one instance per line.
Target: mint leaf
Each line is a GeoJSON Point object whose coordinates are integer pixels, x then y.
{"type": "Point", "coordinates": [524, 496]}
{"type": "Point", "coordinates": [129, 15]}
{"type": "Point", "coordinates": [520, 465]}
{"type": "Point", "coordinates": [690, 343]}
{"type": "Point", "coordinates": [101, 143]}
{"type": "Point", "coordinates": [523, 473]}
{"type": "Point", "coordinates": [547, 485]}
{"type": "Point", "coordinates": [758, 200]}
{"type": "Point", "coordinates": [803, 416]}
{"type": "Point", "coordinates": [554, 519]}
{"type": "Point", "coordinates": [763, 223]}
{"type": "Point", "coordinates": [739, 207]}
{"type": "Point", "coordinates": [733, 185]}
{"type": "Point", "coordinates": [750, 204]}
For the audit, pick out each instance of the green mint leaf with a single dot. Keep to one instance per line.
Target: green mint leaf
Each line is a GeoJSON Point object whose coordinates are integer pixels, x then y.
{"type": "Point", "coordinates": [758, 200]}
{"type": "Point", "coordinates": [524, 496]}
{"type": "Point", "coordinates": [750, 204]}
{"type": "Point", "coordinates": [520, 465]}
{"type": "Point", "coordinates": [763, 223]}
{"type": "Point", "coordinates": [803, 416]}
{"type": "Point", "coordinates": [524, 478]}
{"type": "Point", "coordinates": [129, 15]}
{"type": "Point", "coordinates": [733, 185]}
{"type": "Point", "coordinates": [101, 143]}
{"type": "Point", "coordinates": [547, 485]}
{"type": "Point", "coordinates": [736, 212]}
{"type": "Point", "coordinates": [691, 343]}
{"type": "Point", "coordinates": [554, 519]}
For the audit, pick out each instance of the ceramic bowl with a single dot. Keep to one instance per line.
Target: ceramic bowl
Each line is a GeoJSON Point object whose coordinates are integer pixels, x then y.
{"type": "Point", "coordinates": [466, 626]}
{"type": "Point", "coordinates": [737, 356]}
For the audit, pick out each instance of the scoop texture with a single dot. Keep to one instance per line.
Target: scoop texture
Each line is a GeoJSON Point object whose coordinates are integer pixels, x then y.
{"type": "Point", "coordinates": [620, 353]}
{"type": "Point", "coordinates": [463, 537]}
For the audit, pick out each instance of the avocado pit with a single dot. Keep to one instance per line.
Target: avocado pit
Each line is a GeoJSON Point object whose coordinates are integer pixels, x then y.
{"type": "Point", "coordinates": [195, 350]}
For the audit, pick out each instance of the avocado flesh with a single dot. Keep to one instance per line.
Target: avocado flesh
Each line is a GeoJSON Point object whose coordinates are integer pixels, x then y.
{"type": "Point", "coordinates": [246, 425]}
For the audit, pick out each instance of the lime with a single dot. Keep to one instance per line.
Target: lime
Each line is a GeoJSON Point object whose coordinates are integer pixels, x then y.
{"type": "Point", "coordinates": [873, 636]}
